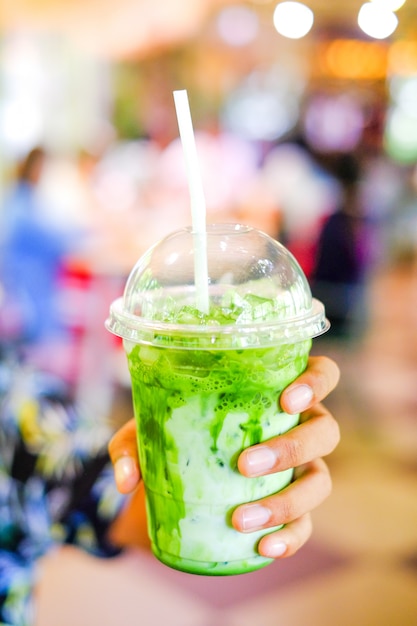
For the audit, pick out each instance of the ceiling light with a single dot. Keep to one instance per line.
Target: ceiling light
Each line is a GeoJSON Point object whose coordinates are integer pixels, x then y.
{"type": "Point", "coordinates": [293, 19]}
{"type": "Point", "coordinates": [390, 5]}
{"type": "Point", "coordinates": [376, 20]}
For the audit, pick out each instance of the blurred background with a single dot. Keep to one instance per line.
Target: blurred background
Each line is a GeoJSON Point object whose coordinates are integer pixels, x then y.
{"type": "Point", "coordinates": [307, 130]}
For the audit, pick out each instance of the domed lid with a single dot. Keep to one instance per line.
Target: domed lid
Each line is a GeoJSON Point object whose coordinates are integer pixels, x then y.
{"type": "Point", "coordinates": [256, 293]}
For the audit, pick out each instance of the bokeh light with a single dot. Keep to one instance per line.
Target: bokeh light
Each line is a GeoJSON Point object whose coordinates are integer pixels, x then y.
{"type": "Point", "coordinates": [293, 19]}
{"type": "Point", "coordinates": [334, 123]}
{"type": "Point", "coordinates": [404, 93]}
{"type": "Point", "coordinates": [266, 105]}
{"type": "Point", "coordinates": [238, 25]}
{"type": "Point", "coordinates": [352, 59]}
{"type": "Point", "coordinates": [402, 58]}
{"type": "Point", "coordinates": [391, 5]}
{"type": "Point", "coordinates": [376, 20]}
{"type": "Point", "coordinates": [401, 126]}
{"type": "Point", "coordinates": [401, 135]}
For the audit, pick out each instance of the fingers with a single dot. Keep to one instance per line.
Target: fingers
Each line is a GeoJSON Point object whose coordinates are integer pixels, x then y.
{"type": "Point", "coordinates": [124, 456]}
{"type": "Point", "coordinates": [314, 384]}
{"type": "Point", "coordinates": [290, 507]}
{"type": "Point", "coordinates": [317, 435]}
{"type": "Point", "coordinates": [288, 540]}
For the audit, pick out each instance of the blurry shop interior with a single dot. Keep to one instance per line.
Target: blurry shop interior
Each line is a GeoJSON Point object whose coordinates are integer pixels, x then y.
{"type": "Point", "coordinates": [308, 132]}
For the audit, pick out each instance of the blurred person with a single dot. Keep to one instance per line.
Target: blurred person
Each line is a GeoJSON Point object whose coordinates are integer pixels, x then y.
{"type": "Point", "coordinates": [341, 256]}
{"type": "Point", "coordinates": [64, 526]}
{"type": "Point", "coordinates": [76, 173]}
{"type": "Point", "coordinates": [304, 193]}
{"type": "Point", "coordinates": [32, 251]}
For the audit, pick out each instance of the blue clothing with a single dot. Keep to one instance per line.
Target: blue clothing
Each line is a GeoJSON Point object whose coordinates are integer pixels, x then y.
{"type": "Point", "coordinates": [30, 263]}
{"type": "Point", "coordinates": [56, 485]}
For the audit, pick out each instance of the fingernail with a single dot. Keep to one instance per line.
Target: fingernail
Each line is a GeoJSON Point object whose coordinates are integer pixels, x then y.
{"type": "Point", "coordinates": [125, 470]}
{"type": "Point", "coordinates": [273, 547]}
{"type": "Point", "coordinates": [254, 516]}
{"type": "Point", "coordinates": [259, 460]}
{"type": "Point", "coordinates": [298, 398]}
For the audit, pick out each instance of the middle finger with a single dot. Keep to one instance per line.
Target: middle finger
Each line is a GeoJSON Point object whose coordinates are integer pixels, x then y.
{"type": "Point", "coordinates": [317, 435]}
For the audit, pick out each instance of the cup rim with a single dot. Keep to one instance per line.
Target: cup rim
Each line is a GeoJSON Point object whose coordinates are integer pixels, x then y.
{"type": "Point", "coordinates": [233, 336]}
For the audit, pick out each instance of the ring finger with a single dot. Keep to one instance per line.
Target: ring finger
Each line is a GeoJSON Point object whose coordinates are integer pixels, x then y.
{"type": "Point", "coordinates": [311, 487]}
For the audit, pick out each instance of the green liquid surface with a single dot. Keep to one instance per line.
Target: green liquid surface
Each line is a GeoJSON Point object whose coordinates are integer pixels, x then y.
{"type": "Point", "coordinates": [196, 410]}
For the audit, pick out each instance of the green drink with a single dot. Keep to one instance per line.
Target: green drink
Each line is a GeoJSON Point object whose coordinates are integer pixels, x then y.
{"type": "Point", "coordinates": [206, 385]}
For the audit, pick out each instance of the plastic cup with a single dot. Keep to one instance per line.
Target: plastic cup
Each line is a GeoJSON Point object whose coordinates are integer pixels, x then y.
{"type": "Point", "coordinates": [206, 385]}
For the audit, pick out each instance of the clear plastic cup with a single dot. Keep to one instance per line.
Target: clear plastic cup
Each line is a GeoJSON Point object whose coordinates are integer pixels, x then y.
{"type": "Point", "coordinates": [206, 385]}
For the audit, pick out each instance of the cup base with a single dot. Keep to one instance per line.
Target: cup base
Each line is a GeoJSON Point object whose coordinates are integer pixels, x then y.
{"type": "Point", "coordinates": [209, 568]}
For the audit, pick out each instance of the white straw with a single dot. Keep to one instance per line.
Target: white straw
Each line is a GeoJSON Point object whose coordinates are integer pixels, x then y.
{"type": "Point", "coordinates": [198, 203]}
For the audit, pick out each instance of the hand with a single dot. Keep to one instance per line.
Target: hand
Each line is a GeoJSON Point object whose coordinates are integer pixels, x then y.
{"type": "Point", "coordinates": [302, 447]}
{"type": "Point", "coordinates": [316, 436]}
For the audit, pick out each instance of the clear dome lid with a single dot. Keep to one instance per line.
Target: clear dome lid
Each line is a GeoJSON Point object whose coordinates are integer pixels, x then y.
{"type": "Point", "coordinates": [256, 293]}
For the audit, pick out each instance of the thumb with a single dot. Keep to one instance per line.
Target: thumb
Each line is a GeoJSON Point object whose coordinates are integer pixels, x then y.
{"type": "Point", "coordinates": [123, 453]}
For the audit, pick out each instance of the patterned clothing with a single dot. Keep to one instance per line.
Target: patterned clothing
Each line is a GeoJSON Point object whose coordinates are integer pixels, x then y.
{"type": "Point", "coordinates": [56, 484]}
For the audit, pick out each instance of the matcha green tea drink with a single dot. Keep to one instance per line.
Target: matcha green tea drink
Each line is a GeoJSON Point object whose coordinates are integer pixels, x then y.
{"type": "Point", "coordinates": [206, 385]}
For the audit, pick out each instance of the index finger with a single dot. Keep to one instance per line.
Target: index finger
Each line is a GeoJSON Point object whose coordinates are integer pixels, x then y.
{"type": "Point", "coordinates": [312, 386]}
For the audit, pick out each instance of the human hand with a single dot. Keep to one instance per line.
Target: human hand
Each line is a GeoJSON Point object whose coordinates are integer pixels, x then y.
{"type": "Point", "coordinates": [316, 436]}
{"type": "Point", "coordinates": [302, 447]}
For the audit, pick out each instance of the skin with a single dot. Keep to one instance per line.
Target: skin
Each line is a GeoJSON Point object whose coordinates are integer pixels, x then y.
{"type": "Point", "coordinates": [303, 447]}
